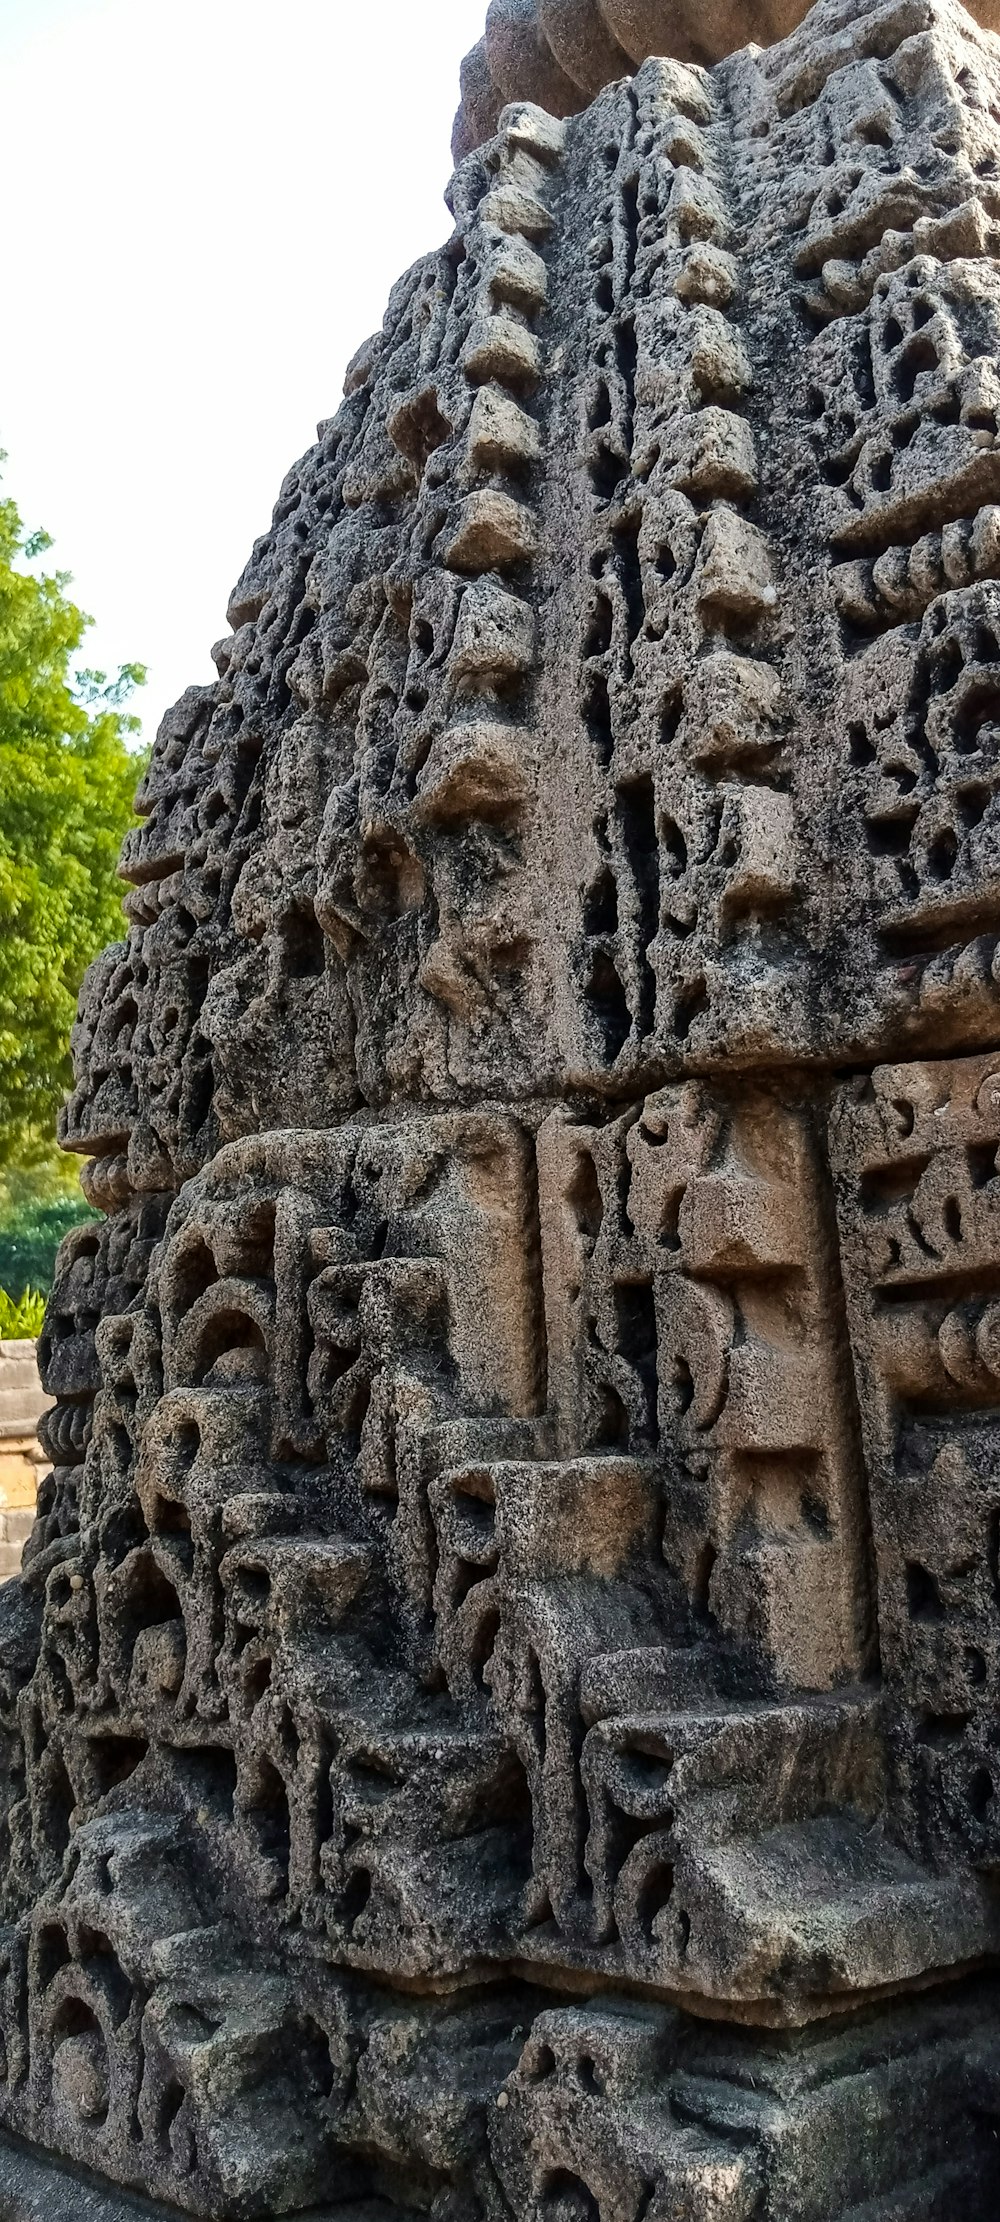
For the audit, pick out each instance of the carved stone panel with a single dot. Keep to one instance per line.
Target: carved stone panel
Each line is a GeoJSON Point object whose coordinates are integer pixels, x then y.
{"type": "Point", "coordinates": [499, 1719]}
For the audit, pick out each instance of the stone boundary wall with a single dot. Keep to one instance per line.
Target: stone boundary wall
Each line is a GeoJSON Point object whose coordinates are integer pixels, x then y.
{"type": "Point", "coordinates": [22, 1463]}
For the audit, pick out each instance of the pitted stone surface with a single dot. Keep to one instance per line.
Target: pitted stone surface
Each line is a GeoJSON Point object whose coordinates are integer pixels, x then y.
{"type": "Point", "coordinates": [500, 1716]}
{"type": "Point", "coordinates": [561, 52]}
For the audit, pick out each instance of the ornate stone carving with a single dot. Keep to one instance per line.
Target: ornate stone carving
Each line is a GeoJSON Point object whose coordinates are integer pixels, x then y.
{"type": "Point", "coordinates": [500, 1715]}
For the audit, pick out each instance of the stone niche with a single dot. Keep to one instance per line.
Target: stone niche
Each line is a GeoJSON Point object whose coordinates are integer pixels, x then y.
{"type": "Point", "coordinates": [500, 1715]}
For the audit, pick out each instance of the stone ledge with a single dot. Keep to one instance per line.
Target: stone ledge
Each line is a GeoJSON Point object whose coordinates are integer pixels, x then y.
{"type": "Point", "coordinates": [33, 2189]}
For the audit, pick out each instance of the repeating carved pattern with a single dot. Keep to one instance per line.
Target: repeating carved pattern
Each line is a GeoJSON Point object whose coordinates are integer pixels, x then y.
{"type": "Point", "coordinates": [499, 1719]}
{"type": "Point", "coordinates": [917, 1146]}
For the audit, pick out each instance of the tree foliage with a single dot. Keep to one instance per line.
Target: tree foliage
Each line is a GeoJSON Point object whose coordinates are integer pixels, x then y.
{"type": "Point", "coordinates": [67, 778]}
{"type": "Point", "coordinates": [38, 1206]}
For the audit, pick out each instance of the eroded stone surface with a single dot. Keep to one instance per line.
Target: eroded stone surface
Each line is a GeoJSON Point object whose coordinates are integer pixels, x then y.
{"type": "Point", "coordinates": [561, 52]}
{"type": "Point", "coordinates": [500, 1714]}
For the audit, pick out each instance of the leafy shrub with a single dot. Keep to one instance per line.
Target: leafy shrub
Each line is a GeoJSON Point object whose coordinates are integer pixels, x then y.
{"type": "Point", "coordinates": [21, 1321]}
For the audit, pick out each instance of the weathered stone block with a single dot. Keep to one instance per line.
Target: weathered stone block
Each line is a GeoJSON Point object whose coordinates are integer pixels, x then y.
{"type": "Point", "coordinates": [500, 1715]}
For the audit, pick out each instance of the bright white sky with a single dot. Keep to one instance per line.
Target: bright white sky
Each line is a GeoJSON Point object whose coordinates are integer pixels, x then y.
{"type": "Point", "coordinates": [207, 203]}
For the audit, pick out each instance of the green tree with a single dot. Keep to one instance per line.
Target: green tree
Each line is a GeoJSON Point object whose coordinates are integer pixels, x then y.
{"type": "Point", "coordinates": [39, 1203]}
{"type": "Point", "coordinates": [67, 779]}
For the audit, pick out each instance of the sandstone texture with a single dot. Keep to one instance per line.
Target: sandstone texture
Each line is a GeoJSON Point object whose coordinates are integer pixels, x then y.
{"type": "Point", "coordinates": [561, 52]}
{"type": "Point", "coordinates": [500, 1714]}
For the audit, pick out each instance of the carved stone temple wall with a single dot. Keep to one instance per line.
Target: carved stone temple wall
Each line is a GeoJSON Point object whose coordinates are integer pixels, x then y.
{"type": "Point", "coordinates": [501, 1716]}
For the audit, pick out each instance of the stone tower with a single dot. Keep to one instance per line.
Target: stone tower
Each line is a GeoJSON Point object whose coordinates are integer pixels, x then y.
{"type": "Point", "coordinates": [500, 1718]}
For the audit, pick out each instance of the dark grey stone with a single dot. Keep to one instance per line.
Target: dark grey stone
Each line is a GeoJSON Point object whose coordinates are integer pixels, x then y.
{"type": "Point", "coordinates": [500, 1716]}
